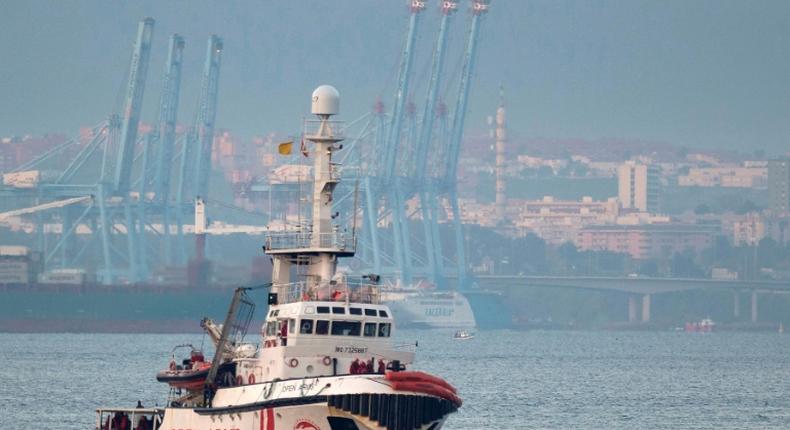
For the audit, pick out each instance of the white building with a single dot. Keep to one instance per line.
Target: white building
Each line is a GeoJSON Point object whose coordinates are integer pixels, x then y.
{"type": "Point", "coordinates": [639, 186]}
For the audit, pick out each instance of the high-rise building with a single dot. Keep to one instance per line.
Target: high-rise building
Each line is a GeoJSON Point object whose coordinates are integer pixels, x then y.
{"type": "Point", "coordinates": [779, 186]}
{"type": "Point", "coordinates": [638, 186]}
{"type": "Point", "coordinates": [501, 137]}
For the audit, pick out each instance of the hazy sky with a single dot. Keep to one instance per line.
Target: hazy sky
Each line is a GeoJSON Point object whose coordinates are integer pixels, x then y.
{"type": "Point", "coordinates": [708, 73]}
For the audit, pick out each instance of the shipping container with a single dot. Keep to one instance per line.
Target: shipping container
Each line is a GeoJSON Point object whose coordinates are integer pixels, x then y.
{"type": "Point", "coordinates": [20, 277]}
{"type": "Point", "coordinates": [63, 276]}
{"type": "Point", "coordinates": [14, 251]}
{"type": "Point", "coordinates": [28, 178]}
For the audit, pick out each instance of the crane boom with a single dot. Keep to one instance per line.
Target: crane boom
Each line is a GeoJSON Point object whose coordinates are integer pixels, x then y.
{"type": "Point", "coordinates": [424, 141]}
{"type": "Point", "coordinates": [45, 206]}
{"type": "Point", "coordinates": [168, 110]}
{"type": "Point", "coordinates": [133, 105]}
{"type": "Point", "coordinates": [393, 138]}
{"type": "Point", "coordinates": [479, 8]}
{"type": "Point", "coordinates": [207, 114]}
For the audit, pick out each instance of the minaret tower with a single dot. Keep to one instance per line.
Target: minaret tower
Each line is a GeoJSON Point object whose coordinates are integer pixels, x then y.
{"type": "Point", "coordinates": [501, 138]}
{"type": "Point", "coordinates": [318, 245]}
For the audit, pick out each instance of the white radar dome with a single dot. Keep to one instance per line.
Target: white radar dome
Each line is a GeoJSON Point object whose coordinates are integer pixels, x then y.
{"type": "Point", "coordinates": [326, 101]}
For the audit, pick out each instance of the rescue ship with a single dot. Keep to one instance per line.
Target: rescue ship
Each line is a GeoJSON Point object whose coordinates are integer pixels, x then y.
{"type": "Point", "coordinates": [326, 359]}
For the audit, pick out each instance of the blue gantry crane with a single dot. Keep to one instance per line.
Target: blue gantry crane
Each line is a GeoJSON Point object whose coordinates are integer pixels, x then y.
{"type": "Point", "coordinates": [195, 168]}
{"type": "Point", "coordinates": [420, 154]}
{"type": "Point", "coordinates": [479, 8]}
{"type": "Point", "coordinates": [165, 137]}
{"type": "Point", "coordinates": [118, 184]}
{"type": "Point", "coordinates": [425, 189]}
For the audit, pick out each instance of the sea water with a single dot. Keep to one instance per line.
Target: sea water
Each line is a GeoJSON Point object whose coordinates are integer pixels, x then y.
{"type": "Point", "coordinates": [507, 379]}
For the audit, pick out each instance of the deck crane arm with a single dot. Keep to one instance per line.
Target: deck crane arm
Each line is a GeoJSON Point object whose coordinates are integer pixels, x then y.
{"type": "Point", "coordinates": [133, 105]}
{"type": "Point", "coordinates": [207, 114]}
{"type": "Point", "coordinates": [235, 326]}
{"type": "Point", "coordinates": [45, 206]}
{"type": "Point", "coordinates": [166, 126]}
{"type": "Point", "coordinates": [213, 330]}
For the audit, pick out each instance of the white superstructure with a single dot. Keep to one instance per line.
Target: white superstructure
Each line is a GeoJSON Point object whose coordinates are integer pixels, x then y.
{"type": "Point", "coordinates": [419, 307]}
{"type": "Point", "coordinates": [326, 360]}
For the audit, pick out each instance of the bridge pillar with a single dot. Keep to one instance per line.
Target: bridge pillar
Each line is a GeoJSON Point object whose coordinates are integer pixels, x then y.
{"type": "Point", "coordinates": [646, 308]}
{"type": "Point", "coordinates": [754, 306]}
{"type": "Point", "coordinates": [736, 304]}
{"type": "Point", "coordinates": [631, 308]}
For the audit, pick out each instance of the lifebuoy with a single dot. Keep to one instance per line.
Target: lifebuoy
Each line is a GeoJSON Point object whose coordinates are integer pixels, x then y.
{"type": "Point", "coordinates": [293, 362]}
{"type": "Point", "coordinates": [251, 379]}
{"type": "Point", "coordinates": [327, 360]}
{"type": "Point", "coordinates": [239, 380]}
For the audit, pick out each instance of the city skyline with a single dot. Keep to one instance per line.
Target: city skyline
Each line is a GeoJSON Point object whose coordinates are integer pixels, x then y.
{"type": "Point", "coordinates": [704, 74]}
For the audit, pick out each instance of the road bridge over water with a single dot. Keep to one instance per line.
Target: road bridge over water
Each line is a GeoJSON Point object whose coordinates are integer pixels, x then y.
{"type": "Point", "coordinates": [641, 288]}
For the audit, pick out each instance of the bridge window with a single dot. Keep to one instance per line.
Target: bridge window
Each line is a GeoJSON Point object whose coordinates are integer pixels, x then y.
{"type": "Point", "coordinates": [338, 310]}
{"type": "Point", "coordinates": [322, 327]}
{"type": "Point", "coordinates": [370, 312]}
{"type": "Point", "coordinates": [346, 328]}
{"type": "Point", "coordinates": [370, 330]}
{"type": "Point", "coordinates": [383, 313]}
{"type": "Point", "coordinates": [271, 328]}
{"type": "Point", "coordinates": [355, 311]}
{"type": "Point", "coordinates": [384, 330]}
{"type": "Point", "coordinates": [306, 327]}
{"type": "Point", "coordinates": [323, 309]}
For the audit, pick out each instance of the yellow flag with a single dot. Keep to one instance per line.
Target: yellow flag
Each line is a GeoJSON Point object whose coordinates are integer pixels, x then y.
{"type": "Point", "coordinates": [285, 147]}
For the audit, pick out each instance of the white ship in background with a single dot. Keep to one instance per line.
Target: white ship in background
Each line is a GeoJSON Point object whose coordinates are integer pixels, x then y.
{"type": "Point", "coordinates": [423, 306]}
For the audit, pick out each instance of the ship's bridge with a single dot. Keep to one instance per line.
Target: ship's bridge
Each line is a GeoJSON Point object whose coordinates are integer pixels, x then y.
{"type": "Point", "coordinates": [341, 293]}
{"type": "Point", "coordinates": [340, 243]}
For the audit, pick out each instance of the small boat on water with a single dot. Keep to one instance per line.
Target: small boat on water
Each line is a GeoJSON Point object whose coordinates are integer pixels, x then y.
{"type": "Point", "coordinates": [703, 326]}
{"type": "Point", "coordinates": [463, 335]}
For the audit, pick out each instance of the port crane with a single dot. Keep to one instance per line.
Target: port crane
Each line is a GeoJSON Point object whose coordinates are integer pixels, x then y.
{"type": "Point", "coordinates": [125, 178]}
{"type": "Point", "coordinates": [195, 167]}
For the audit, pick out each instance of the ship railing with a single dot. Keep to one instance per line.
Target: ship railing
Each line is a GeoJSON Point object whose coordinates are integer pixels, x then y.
{"type": "Point", "coordinates": [339, 241]}
{"type": "Point", "coordinates": [316, 129]}
{"type": "Point", "coordinates": [111, 418]}
{"type": "Point", "coordinates": [344, 292]}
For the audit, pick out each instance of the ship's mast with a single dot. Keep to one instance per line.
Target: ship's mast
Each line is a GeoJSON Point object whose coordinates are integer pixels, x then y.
{"type": "Point", "coordinates": [318, 247]}
{"type": "Point", "coordinates": [324, 182]}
